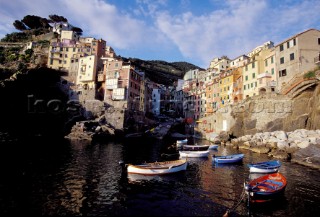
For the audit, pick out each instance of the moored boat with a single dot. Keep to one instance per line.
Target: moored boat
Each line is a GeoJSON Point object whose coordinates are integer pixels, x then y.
{"type": "Point", "coordinates": [265, 167]}
{"type": "Point", "coordinates": [195, 147]}
{"type": "Point", "coordinates": [158, 168]}
{"type": "Point", "coordinates": [265, 188]}
{"type": "Point", "coordinates": [185, 154]}
{"type": "Point", "coordinates": [234, 158]}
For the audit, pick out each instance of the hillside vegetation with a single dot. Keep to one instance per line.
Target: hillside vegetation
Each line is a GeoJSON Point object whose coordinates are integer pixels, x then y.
{"type": "Point", "coordinates": [161, 71]}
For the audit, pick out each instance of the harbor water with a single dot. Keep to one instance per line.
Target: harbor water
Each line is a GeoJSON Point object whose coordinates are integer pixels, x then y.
{"type": "Point", "coordinates": [44, 177]}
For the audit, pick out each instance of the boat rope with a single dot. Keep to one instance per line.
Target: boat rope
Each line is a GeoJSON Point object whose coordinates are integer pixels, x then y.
{"type": "Point", "coordinates": [237, 204]}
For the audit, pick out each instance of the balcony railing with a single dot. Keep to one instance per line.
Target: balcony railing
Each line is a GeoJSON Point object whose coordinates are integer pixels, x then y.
{"type": "Point", "coordinates": [272, 83]}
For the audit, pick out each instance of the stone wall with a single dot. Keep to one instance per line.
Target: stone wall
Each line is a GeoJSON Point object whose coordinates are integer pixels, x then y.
{"type": "Point", "coordinates": [266, 113]}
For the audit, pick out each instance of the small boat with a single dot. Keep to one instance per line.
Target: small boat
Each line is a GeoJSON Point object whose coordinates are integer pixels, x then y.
{"type": "Point", "coordinates": [213, 147]}
{"type": "Point", "coordinates": [157, 168]}
{"type": "Point", "coordinates": [181, 142]}
{"type": "Point", "coordinates": [195, 147]}
{"type": "Point", "coordinates": [265, 167]}
{"type": "Point", "coordinates": [265, 188]}
{"type": "Point", "coordinates": [184, 154]}
{"type": "Point", "coordinates": [235, 158]}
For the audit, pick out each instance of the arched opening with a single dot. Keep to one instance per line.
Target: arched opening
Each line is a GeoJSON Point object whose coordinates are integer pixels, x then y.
{"type": "Point", "coordinates": [262, 91]}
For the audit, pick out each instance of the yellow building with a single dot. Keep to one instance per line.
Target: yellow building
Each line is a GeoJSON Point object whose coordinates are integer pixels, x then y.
{"type": "Point", "coordinates": [253, 68]}
{"type": "Point", "coordinates": [226, 87]}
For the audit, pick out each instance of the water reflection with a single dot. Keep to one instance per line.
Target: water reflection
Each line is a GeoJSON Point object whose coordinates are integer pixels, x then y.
{"type": "Point", "coordinates": [79, 178]}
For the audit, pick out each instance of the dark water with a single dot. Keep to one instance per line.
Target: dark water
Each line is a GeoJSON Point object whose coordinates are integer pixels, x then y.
{"type": "Point", "coordinates": [50, 177]}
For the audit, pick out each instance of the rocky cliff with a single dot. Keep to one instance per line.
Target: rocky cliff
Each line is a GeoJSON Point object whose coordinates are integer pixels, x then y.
{"type": "Point", "coordinates": [272, 112]}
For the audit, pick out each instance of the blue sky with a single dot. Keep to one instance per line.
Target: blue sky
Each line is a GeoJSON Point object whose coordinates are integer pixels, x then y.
{"type": "Point", "coordinates": [194, 31]}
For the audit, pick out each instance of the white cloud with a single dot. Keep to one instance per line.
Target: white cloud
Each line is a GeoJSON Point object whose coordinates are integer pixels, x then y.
{"type": "Point", "coordinates": [237, 29]}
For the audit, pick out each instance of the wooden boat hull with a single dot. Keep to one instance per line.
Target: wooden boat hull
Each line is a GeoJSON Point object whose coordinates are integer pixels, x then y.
{"type": "Point", "coordinates": [237, 158]}
{"type": "Point", "coordinates": [266, 188]}
{"type": "Point", "coordinates": [265, 167]}
{"type": "Point", "coordinates": [158, 168]}
{"type": "Point", "coordinates": [185, 154]}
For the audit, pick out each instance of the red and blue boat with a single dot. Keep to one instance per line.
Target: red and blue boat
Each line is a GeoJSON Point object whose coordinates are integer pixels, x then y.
{"type": "Point", "coordinates": [265, 188]}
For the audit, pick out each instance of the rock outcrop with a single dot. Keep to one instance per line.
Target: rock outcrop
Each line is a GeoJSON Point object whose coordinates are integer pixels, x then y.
{"type": "Point", "coordinates": [301, 146]}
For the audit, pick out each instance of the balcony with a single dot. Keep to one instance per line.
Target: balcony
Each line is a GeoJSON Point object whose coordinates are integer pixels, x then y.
{"type": "Point", "coordinates": [111, 84]}
{"type": "Point", "coordinates": [118, 94]}
{"type": "Point", "coordinates": [272, 84]}
{"type": "Point", "coordinates": [264, 75]}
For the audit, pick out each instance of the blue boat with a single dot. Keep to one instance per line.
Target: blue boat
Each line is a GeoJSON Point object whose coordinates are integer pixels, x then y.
{"type": "Point", "coordinates": [234, 158]}
{"type": "Point", "coordinates": [265, 167]}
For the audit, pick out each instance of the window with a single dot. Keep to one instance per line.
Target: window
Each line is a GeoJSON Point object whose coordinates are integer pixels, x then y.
{"type": "Point", "coordinates": [272, 59]}
{"type": "Point", "coordinates": [292, 56]}
{"type": "Point", "coordinates": [246, 77]}
{"type": "Point", "coordinates": [246, 68]}
{"type": "Point", "coordinates": [251, 85]}
{"type": "Point", "coordinates": [294, 42]}
{"type": "Point", "coordinates": [282, 73]}
{"type": "Point", "coordinates": [281, 60]}
{"type": "Point", "coordinates": [253, 65]}
{"type": "Point", "coordinates": [318, 40]}
{"type": "Point", "coordinates": [253, 75]}
{"type": "Point", "coordinates": [281, 47]}
{"type": "Point", "coordinates": [266, 62]}
{"type": "Point", "coordinates": [288, 45]}
{"type": "Point", "coordinates": [272, 71]}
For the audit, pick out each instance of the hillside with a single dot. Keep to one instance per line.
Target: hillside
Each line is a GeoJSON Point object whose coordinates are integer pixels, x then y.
{"type": "Point", "coordinates": [161, 71]}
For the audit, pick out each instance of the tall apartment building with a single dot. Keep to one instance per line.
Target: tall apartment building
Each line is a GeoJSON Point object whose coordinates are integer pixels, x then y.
{"type": "Point", "coordinates": [253, 68]}
{"type": "Point", "coordinates": [296, 55]}
{"type": "Point", "coordinates": [220, 64]}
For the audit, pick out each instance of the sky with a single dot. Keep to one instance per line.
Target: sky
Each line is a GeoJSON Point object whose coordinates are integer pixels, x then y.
{"type": "Point", "coordinates": [194, 31]}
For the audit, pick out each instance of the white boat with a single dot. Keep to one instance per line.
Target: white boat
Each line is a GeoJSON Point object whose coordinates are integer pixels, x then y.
{"type": "Point", "coordinates": [158, 168]}
{"type": "Point", "coordinates": [184, 154]}
{"type": "Point", "coordinates": [213, 147]}
{"type": "Point", "coordinates": [265, 167]}
{"type": "Point", "coordinates": [195, 147]}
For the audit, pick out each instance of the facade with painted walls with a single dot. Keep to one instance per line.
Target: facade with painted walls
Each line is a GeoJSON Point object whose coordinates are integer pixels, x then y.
{"type": "Point", "coordinates": [296, 55]}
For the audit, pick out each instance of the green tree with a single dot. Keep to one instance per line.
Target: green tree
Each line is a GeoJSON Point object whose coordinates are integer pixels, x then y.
{"type": "Point", "coordinates": [19, 25]}
{"type": "Point", "coordinates": [32, 21]}
{"type": "Point", "coordinates": [77, 30]}
{"type": "Point", "coordinates": [56, 18]}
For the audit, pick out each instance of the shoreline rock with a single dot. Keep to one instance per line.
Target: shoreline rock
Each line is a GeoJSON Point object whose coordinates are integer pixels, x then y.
{"type": "Point", "coordinates": [300, 146]}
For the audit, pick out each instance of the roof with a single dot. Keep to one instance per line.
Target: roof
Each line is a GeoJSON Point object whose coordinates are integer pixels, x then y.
{"type": "Point", "coordinates": [296, 36]}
